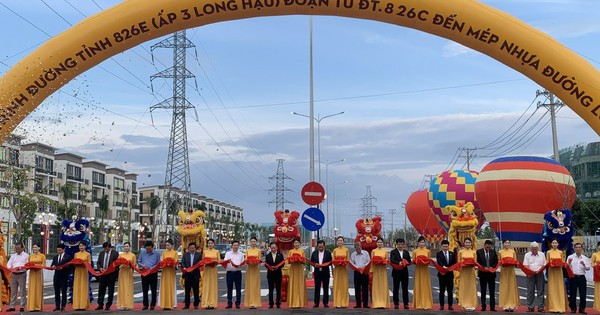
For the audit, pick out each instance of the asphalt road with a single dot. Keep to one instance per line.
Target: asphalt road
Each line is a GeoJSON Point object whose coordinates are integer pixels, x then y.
{"type": "Point", "coordinates": [49, 291]}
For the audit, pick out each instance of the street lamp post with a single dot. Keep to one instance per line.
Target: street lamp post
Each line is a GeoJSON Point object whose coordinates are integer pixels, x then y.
{"type": "Point", "coordinates": [46, 220]}
{"type": "Point", "coordinates": [318, 119]}
{"type": "Point", "coordinates": [327, 191]}
{"type": "Point", "coordinates": [334, 209]}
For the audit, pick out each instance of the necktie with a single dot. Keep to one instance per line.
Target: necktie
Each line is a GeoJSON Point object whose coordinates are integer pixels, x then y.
{"type": "Point", "coordinates": [487, 258]}
{"type": "Point", "coordinates": [447, 259]}
{"type": "Point", "coordinates": [59, 258]}
{"type": "Point", "coordinates": [106, 255]}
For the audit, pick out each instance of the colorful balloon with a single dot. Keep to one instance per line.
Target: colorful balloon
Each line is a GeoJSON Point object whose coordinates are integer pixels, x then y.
{"type": "Point", "coordinates": [420, 216]}
{"type": "Point", "coordinates": [452, 188]}
{"type": "Point", "coordinates": [516, 192]}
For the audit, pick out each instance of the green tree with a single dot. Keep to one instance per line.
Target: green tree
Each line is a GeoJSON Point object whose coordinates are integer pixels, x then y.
{"type": "Point", "coordinates": [66, 210]}
{"type": "Point", "coordinates": [103, 208]}
{"type": "Point", "coordinates": [23, 204]}
{"type": "Point", "coordinates": [586, 216]}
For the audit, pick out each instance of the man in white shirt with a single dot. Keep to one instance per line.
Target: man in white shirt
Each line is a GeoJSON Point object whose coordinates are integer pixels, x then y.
{"type": "Point", "coordinates": [18, 278]}
{"type": "Point", "coordinates": [579, 264]}
{"type": "Point", "coordinates": [535, 261]}
{"type": "Point", "coordinates": [360, 259]}
{"type": "Point", "coordinates": [234, 274]}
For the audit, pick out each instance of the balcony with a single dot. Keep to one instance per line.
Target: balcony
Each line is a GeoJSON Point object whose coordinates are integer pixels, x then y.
{"type": "Point", "coordinates": [77, 179]}
{"type": "Point", "coordinates": [45, 171]}
{"type": "Point", "coordinates": [99, 184]}
{"type": "Point", "coordinates": [53, 193]}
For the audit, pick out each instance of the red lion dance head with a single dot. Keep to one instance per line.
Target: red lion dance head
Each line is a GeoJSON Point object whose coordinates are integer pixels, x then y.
{"type": "Point", "coordinates": [286, 228]}
{"type": "Point", "coordinates": [368, 231]}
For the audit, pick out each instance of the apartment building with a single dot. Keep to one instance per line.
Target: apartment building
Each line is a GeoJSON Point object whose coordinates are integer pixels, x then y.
{"type": "Point", "coordinates": [49, 173]}
{"type": "Point", "coordinates": [222, 219]}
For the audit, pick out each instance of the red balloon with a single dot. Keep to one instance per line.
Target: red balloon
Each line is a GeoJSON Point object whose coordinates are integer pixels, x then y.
{"type": "Point", "coordinates": [420, 216]}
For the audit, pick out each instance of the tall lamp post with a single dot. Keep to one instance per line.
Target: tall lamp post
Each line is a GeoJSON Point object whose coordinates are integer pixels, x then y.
{"type": "Point", "coordinates": [334, 209]}
{"type": "Point", "coordinates": [318, 119]}
{"type": "Point", "coordinates": [46, 220]}
{"type": "Point", "coordinates": [327, 163]}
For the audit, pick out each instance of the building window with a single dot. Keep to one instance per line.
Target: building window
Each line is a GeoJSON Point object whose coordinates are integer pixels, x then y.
{"type": "Point", "coordinates": [73, 171]}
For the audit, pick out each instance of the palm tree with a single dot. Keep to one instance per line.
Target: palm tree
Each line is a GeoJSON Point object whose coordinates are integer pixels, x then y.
{"type": "Point", "coordinates": [103, 207]}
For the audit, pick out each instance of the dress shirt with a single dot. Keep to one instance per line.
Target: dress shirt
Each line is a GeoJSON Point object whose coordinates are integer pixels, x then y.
{"type": "Point", "coordinates": [236, 257]}
{"type": "Point", "coordinates": [360, 260]}
{"type": "Point", "coordinates": [577, 268]}
{"type": "Point", "coordinates": [148, 259]}
{"type": "Point", "coordinates": [401, 251]}
{"type": "Point", "coordinates": [18, 260]}
{"type": "Point", "coordinates": [534, 262]}
{"type": "Point", "coordinates": [106, 259]}
{"type": "Point", "coordinates": [446, 256]}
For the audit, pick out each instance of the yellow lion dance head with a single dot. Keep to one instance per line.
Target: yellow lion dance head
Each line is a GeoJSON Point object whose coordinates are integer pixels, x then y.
{"type": "Point", "coordinates": [191, 229]}
{"type": "Point", "coordinates": [464, 224]}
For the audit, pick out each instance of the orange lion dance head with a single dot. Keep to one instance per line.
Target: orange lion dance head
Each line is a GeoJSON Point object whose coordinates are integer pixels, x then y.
{"type": "Point", "coordinates": [286, 228]}
{"type": "Point", "coordinates": [368, 231]}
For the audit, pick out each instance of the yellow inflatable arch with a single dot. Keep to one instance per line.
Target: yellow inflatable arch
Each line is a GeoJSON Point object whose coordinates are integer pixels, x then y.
{"type": "Point", "coordinates": [468, 22]}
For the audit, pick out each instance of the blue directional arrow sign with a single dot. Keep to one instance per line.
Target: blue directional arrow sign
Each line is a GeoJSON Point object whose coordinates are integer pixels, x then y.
{"type": "Point", "coordinates": [313, 219]}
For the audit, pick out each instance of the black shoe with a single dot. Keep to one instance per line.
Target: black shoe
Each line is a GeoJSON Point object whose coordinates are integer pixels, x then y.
{"type": "Point", "coordinates": [107, 308]}
{"type": "Point", "coordinates": [573, 311]}
{"type": "Point", "coordinates": [366, 306]}
{"type": "Point", "coordinates": [405, 306]}
{"type": "Point", "coordinates": [450, 308]}
{"type": "Point", "coordinates": [228, 306]}
{"type": "Point", "coordinates": [492, 309]}
{"type": "Point", "coordinates": [144, 308]}
{"type": "Point", "coordinates": [325, 306]}
{"type": "Point", "coordinates": [278, 305]}
{"type": "Point", "coordinates": [12, 309]}
{"type": "Point", "coordinates": [152, 308]}
{"type": "Point", "coordinates": [540, 309]}
{"type": "Point", "coordinates": [529, 309]}
{"type": "Point", "coordinates": [270, 306]}
{"type": "Point", "coordinates": [237, 306]}
{"type": "Point", "coordinates": [483, 308]}
{"type": "Point", "coordinates": [356, 306]}
{"type": "Point", "coordinates": [582, 311]}
{"type": "Point", "coordinates": [56, 309]}
{"type": "Point", "coordinates": [100, 307]}
{"type": "Point", "coordinates": [62, 308]}
{"type": "Point", "coordinates": [315, 305]}
{"type": "Point", "coordinates": [396, 307]}
{"type": "Point", "coordinates": [441, 307]}
{"type": "Point", "coordinates": [187, 307]}
{"type": "Point", "coordinates": [22, 309]}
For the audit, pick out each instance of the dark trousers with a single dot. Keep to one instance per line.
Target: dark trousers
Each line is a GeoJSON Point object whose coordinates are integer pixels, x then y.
{"type": "Point", "coordinates": [577, 283]}
{"type": "Point", "coordinates": [361, 289]}
{"type": "Point", "coordinates": [234, 277]}
{"type": "Point", "coordinates": [60, 291]}
{"type": "Point", "coordinates": [400, 279]}
{"type": "Point", "coordinates": [446, 287]}
{"type": "Point", "coordinates": [106, 282]}
{"type": "Point", "coordinates": [274, 284]}
{"type": "Point", "coordinates": [488, 282]}
{"type": "Point", "coordinates": [149, 282]}
{"type": "Point", "coordinates": [192, 284]}
{"type": "Point", "coordinates": [322, 281]}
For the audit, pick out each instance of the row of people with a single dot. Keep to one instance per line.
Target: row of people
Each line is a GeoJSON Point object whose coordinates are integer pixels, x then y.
{"type": "Point", "coordinates": [297, 293]}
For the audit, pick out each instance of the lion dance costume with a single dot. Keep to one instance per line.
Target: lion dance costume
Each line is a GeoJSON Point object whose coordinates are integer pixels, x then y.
{"type": "Point", "coordinates": [73, 232]}
{"type": "Point", "coordinates": [558, 225]}
{"type": "Point", "coordinates": [463, 225]}
{"type": "Point", "coordinates": [368, 231]}
{"type": "Point", "coordinates": [286, 230]}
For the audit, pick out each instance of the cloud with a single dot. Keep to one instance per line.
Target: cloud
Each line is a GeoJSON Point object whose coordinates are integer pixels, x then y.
{"type": "Point", "coordinates": [453, 49]}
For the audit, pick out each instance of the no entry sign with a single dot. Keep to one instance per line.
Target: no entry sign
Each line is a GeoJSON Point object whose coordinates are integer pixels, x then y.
{"type": "Point", "coordinates": [313, 193]}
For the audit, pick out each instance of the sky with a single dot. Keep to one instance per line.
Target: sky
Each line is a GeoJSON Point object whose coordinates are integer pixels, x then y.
{"type": "Point", "coordinates": [410, 100]}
